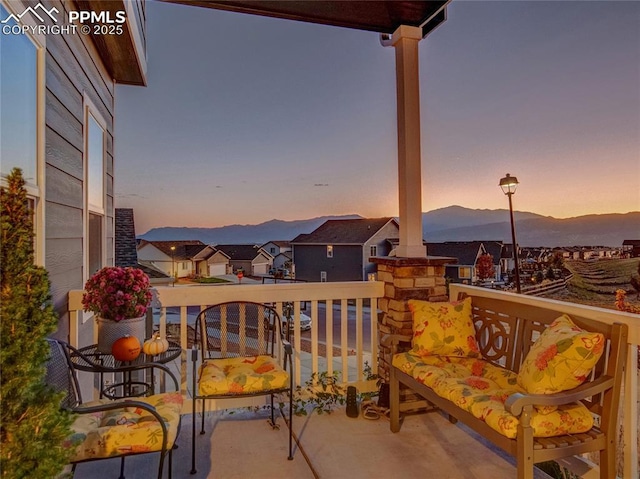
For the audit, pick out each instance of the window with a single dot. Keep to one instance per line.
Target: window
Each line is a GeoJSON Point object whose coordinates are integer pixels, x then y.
{"type": "Point", "coordinates": [18, 97]}
{"type": "Point", "coordinates": [95, 167]}
{"type": "Point", "coordinates": [323, 276]}
{"type": "Point", "coordinates": [94, 163]}
{"type": "Point", "coordinates": [373, 251]}
{"type": "Point", "coordinates": [464, 272]}
{"type": "Point", "coordinates": [184, 265]}
{"type": "Point", "coordinates": [22, 117]}
{"type": "Point", "coordinates": [329, 251]}
{"type": "Point", "coordinates": [272, 250]}
{"type": "Point", "coordinates": [95, 243]}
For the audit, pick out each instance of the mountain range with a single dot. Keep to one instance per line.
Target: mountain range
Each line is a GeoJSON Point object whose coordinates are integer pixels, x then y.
{"type": "Point", "coordinates": [453, 223]}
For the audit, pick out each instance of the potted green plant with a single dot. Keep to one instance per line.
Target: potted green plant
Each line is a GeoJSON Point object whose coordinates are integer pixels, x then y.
{"type": "Point", "coordinates": [119, 297]}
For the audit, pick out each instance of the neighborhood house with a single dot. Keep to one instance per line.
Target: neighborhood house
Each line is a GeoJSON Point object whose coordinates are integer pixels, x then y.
{"type": "Point", "coordinates": [339, 250]}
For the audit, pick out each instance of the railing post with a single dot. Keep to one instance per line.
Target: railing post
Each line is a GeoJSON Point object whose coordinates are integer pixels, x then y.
{"type": "Point", "coordinates": [630, 408]}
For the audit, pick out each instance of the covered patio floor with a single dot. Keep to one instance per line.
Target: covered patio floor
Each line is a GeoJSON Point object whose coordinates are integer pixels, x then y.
{"type": "Point", "coordinates": [242, 445]}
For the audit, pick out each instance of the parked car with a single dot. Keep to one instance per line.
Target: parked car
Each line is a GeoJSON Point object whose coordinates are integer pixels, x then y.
{"type": "Point", "coordinates": [279, 272]}
{"type": "Point", "coordinates": [305, 322]}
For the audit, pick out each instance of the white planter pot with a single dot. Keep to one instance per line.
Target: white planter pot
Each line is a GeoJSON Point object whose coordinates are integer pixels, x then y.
{"type": "Point", "coordinates": [109, 331]}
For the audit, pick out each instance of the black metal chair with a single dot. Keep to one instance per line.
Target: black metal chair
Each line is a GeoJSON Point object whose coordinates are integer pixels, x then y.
{"type": "Point", "coordinates": [244, 354]}
{"type": "Point", "coordinates": [105, 429]}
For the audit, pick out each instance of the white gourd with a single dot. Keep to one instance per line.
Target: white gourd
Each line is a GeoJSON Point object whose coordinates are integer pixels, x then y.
{"type": "Point", "coordinates": [155, 345]}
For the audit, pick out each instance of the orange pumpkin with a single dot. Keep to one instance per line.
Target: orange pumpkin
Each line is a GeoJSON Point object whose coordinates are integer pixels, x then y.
{"type": "Point", "coordinates": [126, 348]}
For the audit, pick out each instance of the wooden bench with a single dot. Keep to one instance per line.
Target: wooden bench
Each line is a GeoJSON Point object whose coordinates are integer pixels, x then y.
{"type": "Point", "coordinates": [505, 331]}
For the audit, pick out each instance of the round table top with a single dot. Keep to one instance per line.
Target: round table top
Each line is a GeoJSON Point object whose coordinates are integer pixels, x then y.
{"type": "Point", "coordinates": [90, 359]}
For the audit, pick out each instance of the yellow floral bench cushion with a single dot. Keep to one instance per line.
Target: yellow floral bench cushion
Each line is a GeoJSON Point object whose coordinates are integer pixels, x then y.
{"type": "Point", "coordinates": [481, 389]}
{"type": "Point", "coordinates": [124, 431]}
{"type": "Point", "coordinates": [241, 375]}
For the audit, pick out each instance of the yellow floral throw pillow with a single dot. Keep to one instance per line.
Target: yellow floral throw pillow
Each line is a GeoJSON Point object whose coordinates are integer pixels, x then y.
{"type": "Point", "coordinates": [443, 329]}
{"type": "Point", "coordinates": [561, 358]}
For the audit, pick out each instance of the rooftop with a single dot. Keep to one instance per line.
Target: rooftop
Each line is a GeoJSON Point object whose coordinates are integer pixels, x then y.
{"type": "Point", "coordinates": [352, 231]}
{"type": "Point", "coordinates": [239, 252]}
{"type": "Point", "coordinates": [184, 249]}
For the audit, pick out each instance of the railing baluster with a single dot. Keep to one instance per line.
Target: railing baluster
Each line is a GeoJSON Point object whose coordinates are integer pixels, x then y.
{"type": "Point", "coordinates": [329, 335]}
{"type": "Point", "coordinates": [314, 335]}
{"type": "Point", "coordinates": [359, 334]}
{"type": "Point", "coordinates": [374, 333]}
{"type": "Point", "coordinates": [163, 322]}
{"type": "Point", "coordinates": [183, 344]}
{"type": "Point", "coordinates": [297, 340]}
{"type": "Point", "coordinates": [344, 344]}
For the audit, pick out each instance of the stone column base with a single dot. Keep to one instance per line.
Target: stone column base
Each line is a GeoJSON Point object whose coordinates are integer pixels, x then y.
{"type": "Point", "coordinates": [405, 279]}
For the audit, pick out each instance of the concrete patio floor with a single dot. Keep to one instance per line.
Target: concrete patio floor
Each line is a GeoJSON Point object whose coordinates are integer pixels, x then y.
{"type": "Point", "coordinates": [242, 445]}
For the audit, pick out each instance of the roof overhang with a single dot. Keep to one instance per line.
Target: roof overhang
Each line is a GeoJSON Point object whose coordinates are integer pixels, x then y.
{"type": "Point", "coordinates": [124, 55]}
{"type": "Point", "coordinates": [376, 16]}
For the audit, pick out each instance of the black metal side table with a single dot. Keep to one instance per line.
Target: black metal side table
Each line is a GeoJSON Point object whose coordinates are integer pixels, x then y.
{"type": "Point", "coordinates": [91, 360]}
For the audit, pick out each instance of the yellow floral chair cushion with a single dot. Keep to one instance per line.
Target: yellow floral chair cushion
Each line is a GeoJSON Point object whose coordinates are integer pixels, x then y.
{"type": "Point", "coordinates": [561, 358]}
{"type": "Point", "coordinates": [124, 431]}
{"type": "Point", "coordinates": [241, 376]}
{"type": "Point", "coordinates": [443, 329]}
{"type": "Point", "coordinates": [481, 389]}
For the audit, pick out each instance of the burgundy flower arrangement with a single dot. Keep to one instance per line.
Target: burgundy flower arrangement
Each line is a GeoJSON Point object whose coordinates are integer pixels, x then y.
{"type": "Point", "coordinates": [117, 293]}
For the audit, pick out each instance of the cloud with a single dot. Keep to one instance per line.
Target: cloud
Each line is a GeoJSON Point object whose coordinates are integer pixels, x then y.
{"type": "Point", "coordinates": [131, 195]}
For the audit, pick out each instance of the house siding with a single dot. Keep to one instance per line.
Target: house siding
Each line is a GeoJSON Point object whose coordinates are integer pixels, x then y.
{"type": "Point", "coordinates": [388, 231]}
{"type": "Point", "coordinates": [74, 76]}
{"type": "Point", "coordinates": [346, 264]}
{"type": "Point", "coordinates": [157, 258]}
{"type": "Point", "coordinates": [73, 71]}
{"type": "Point", "coordinates": [217, 264]}
{"type": "Point", "coordinates": [282, 261]}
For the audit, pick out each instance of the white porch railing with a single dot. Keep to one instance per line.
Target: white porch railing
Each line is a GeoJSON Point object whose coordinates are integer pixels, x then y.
{"type": "Point", "coordinates": [609, 316]}
{"type": "Point", "coordinates": [339, 303]}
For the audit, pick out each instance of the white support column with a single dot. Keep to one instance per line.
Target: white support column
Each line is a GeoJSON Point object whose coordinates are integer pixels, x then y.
{"type": "Point", "coordinates": [405, 40]}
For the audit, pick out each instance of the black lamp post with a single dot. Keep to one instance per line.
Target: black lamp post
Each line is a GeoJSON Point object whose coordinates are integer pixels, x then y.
{"type": "Point", "coordinates": [508, 185]}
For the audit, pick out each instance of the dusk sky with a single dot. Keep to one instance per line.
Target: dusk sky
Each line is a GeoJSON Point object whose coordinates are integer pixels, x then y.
{"type": "Point", "coordinates": [247, 118]}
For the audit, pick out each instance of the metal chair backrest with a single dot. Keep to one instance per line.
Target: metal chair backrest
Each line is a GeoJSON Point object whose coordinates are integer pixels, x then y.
{"type": "Point", "coordinates": [237, 329]}
{"type": "Point", "coordinates": [60, 374]}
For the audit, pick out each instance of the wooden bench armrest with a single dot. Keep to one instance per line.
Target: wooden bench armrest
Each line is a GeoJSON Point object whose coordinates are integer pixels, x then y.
{"type": "Point", "coordinates": [392, 341]}
{"type": "Point", "coordinates": [516, 402]}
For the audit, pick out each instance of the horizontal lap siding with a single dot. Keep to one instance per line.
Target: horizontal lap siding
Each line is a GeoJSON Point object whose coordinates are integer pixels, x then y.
{"type": "Point", "coordinates": [346, 264]}
{"type": "Point", "coordinates": [73, 70]}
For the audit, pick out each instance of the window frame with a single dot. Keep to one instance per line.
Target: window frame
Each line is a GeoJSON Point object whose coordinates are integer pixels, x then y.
{"type": "Point", "coordinates": [323, 276]}
{"type": "Point", "coordinates": [373, 250]}
{"type": "Point", "coordinates": [91, 112]}
{"type": "Point", "coordinates": [465, 269]}
{"type": "Point", "coordinates": [329, 251]}
{"type": "Point", "coordinates": [35, 192]}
